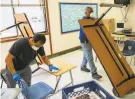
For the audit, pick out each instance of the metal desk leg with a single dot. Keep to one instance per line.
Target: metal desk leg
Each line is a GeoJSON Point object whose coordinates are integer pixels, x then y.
{"type": "Point", "coordinates": [57, 84]}
{"type": "Point", "coordinates": [57, 78]}
{"type": "Point", "coordinates": [35, 70]}
{"type": "Point", "coordinates": [71, 76]}
{"type": "Point", "coordinates": [2, 83]}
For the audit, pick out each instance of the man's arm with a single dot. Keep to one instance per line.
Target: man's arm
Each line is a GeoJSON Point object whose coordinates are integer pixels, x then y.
{"type": "Point", "coordinates": [46, 60]}
{"type": "Point", "coordinates": [9, 62]}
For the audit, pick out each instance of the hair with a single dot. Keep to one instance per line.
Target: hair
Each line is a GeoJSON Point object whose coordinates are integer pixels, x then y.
{"type": "Point", "coordinates": [89, 8]}
{"type": "Point", "coordinates": [39, 37]}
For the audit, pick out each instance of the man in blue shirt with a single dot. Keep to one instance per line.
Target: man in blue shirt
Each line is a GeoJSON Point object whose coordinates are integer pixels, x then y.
{"type": "Point", "coordinates": [87, 49]}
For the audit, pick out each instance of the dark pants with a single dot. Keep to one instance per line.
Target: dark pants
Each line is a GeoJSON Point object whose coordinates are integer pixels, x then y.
{"type": "Point", "coordinates": [24, 73]}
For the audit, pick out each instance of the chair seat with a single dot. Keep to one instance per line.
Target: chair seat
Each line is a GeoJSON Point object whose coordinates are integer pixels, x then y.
{"type": "Point", "coordinates": [39, 91]}
{"type": "Point", "coordinates": [128, 53]}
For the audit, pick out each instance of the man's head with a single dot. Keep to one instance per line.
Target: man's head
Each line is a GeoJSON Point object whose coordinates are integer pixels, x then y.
{"type": "Point", "coordinates": [39, 40]}
{"type": "Point", "coordinates": [88, 11]}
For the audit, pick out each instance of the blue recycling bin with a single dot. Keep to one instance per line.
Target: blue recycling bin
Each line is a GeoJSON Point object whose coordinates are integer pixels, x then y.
{"type": "Point", "coordinates": [88, 87]}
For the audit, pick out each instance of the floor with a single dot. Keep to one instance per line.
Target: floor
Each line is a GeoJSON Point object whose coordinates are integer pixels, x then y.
{"type": "Point", "coordinates": [78, 75]}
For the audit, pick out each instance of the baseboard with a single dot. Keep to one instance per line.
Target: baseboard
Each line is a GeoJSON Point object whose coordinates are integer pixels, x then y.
{"type": "Point", "coordinates": [64, 52]}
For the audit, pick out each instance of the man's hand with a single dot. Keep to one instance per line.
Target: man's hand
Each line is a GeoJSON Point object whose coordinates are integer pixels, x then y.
{"type": "Point", "coordinates": [16, 77]}
{"type": "Point", "coordinates": [52, 67]}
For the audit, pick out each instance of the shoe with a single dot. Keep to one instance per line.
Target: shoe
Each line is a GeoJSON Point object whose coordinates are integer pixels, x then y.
{"type": "Point", "coordinates": [96, 76]}
{"type": "Point", "coordinates": [85, 69]}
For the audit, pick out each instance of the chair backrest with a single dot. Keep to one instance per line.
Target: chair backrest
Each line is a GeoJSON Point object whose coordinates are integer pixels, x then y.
{"type": "Point", "coordinates": [2, 73]}
{"type": "Point", "coordinates": [25, 28]}
{"type": "Point", "coordinates": [129, 45]}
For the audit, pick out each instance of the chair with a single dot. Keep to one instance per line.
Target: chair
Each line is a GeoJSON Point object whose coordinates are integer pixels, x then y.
{"type": "Point", "coordinates": [129, 49]}
{"type": "Point", "coordinates": [119, 38]}
{"type": "Point", "coordinates": [39, 90]}
{"type": "Point", "coordinates": [2, 77]}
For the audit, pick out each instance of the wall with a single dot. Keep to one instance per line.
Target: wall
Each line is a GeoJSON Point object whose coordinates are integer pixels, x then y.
{"type": "Point", "coordinates": [131, 16]}
{"type": "Point", "coordinates": [62, 42]}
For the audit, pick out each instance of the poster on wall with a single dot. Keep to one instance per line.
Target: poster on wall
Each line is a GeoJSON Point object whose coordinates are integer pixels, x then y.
{"type": "Point", "coordinates": [70, 13]}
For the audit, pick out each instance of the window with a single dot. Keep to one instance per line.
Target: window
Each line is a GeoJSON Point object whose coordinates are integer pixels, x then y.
{"type": "Point", "coordinates": [35, 17]}
{"type": "Point", "coordinates": [7, 19]}
{"type": "Point", "coordinates": [5, 1]}
{"type": "Point", "coordinates": [27, 2]}
{"type": "Point", "coordinates": [34, 9]}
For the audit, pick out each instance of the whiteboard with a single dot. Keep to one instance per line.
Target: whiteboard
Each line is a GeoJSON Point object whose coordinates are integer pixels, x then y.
{"type": "Point", "coordinates": [70, 13]}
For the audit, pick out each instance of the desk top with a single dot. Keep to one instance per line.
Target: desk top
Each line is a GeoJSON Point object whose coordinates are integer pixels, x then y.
{"type": "Point", "coordinates": [132, 34]}
{"type": "Point", "coordinates": [64, 67]}
{"type": "Point", "coordinates": [10, 93]}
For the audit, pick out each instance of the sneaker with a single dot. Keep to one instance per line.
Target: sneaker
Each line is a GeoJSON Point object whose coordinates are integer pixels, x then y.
{"type": "Point", "coordinates": [96, 76]}
{"type": "Point", "coordinates": [85, 69]}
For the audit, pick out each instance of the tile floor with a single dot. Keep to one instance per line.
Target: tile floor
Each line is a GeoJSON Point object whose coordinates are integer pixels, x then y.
{"type": "Point", "coordinates": [78, 76]}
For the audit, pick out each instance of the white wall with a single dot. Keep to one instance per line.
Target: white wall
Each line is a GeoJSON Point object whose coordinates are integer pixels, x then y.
{"type": "Point", "coordinates": [62, 42]}
{"type": "Point", "coordinates": [131, 16]}
{"type": "Point", "coordinates": [4, 51]}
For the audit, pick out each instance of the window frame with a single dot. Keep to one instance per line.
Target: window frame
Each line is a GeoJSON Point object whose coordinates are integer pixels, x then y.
{"type": "Point", "coordinates": [42, 4]}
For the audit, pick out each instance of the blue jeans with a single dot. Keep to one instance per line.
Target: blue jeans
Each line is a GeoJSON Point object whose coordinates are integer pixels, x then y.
{"type": "Point", "coordinates": [88, 57]}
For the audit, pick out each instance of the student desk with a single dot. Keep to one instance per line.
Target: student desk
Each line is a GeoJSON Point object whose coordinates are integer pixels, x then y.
{"type": "Point", "coordinates": [121, 35]}
{"type": "Point", "coordinates": [131, 34]}
{"type": "Point", "coordinates": [64, 68]}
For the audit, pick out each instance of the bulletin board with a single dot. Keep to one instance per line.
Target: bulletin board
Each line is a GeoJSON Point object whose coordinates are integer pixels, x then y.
{"type": "Point", "coordinates": [70, 13]}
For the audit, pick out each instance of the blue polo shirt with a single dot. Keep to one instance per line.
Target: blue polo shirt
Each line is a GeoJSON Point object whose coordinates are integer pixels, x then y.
{"type": "Point", "coordinates": [82, 35]}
